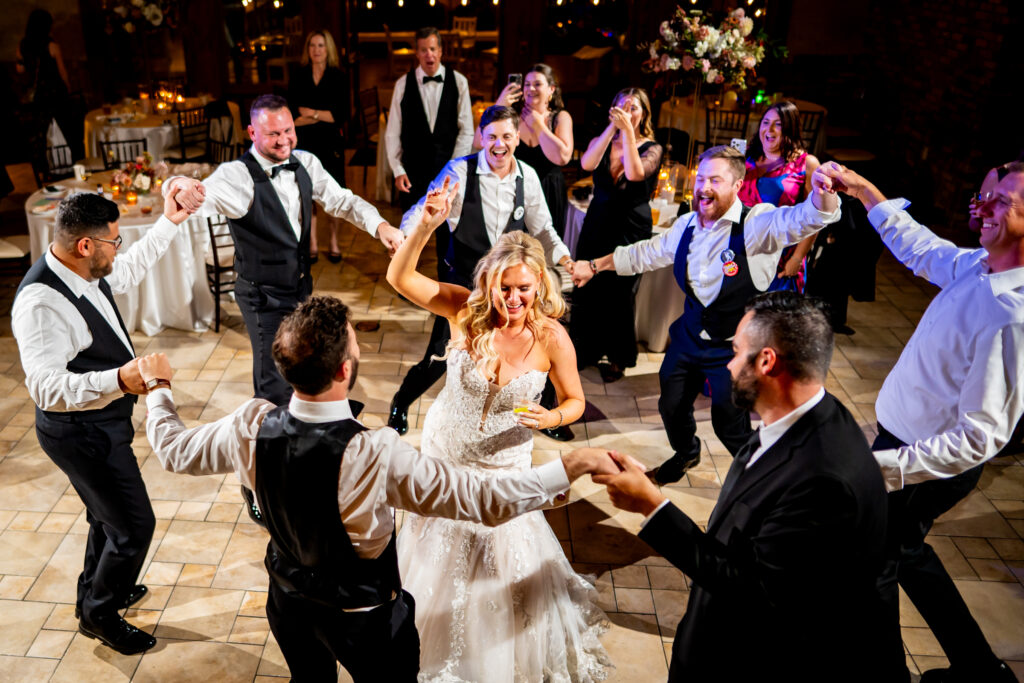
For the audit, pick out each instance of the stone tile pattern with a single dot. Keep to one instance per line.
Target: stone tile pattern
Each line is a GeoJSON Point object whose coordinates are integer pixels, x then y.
{"type": "Point", "coordinates": [205, 569]}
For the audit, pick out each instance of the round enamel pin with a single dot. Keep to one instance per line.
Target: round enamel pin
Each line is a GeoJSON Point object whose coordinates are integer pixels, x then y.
{"type": "Point", "coordinates": [727, 255]}
{"type": "Point", "coordinates": [518, 213]}
{"type": "Point", "coordinates": [730, 268]}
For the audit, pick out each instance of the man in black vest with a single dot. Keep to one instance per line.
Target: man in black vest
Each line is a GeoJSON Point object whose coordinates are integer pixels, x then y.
{"type": "Point", "coordinates": [722, 254]}
{"type": "Point", "coordinates": [268, 198]}
{"type": "Point", "coordinates": [328, 487]}
{"type": "Point", "coordinates": [496, 194]}
{"type": "Point", "coordinates": [430, 121]}
{"type": "Point", "coordinates": [81, 372]}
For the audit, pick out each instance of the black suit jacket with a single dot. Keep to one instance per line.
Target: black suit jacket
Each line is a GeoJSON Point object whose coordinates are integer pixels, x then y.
{"type": "Point", "coordinates": [784, 577]}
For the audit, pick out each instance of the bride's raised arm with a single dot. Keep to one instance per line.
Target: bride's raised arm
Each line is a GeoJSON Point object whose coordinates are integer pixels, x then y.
{"type": "Point", "coordinates": [440, 298]}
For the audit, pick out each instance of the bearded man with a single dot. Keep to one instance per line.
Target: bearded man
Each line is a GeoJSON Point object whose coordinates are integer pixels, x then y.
{"type": "Point", "coordinates": [723, 254]}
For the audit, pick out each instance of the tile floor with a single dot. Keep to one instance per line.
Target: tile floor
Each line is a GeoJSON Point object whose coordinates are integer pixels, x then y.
{"type": "Point", "coordinates": [205, 567]}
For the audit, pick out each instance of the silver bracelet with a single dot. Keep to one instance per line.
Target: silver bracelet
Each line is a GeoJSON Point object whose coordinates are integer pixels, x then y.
{"type": "Point", "coordinates": [559, 411]}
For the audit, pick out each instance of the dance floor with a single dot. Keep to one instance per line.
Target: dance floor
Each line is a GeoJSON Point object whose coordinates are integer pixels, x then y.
{"type": "Point", "coordinates": [205, 567]}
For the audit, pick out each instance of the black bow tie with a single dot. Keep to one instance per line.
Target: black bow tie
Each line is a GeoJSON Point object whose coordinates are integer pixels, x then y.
{"type": "Point", "coordinates": [435, 79]}
{"type": "Point", "coordinates": [290, 166]}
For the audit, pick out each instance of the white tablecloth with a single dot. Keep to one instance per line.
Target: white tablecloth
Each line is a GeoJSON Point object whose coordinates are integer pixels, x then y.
{"type": "Point", "coordinates": [659, 300]}
{"type": "Point", "coordinates": [174, 293]}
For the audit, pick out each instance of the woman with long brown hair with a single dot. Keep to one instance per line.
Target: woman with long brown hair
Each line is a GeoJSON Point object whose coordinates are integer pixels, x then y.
{"type": "Point", "coordinates": [625, 160]}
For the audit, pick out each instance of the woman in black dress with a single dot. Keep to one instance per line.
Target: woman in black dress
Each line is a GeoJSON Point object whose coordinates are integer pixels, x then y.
{"type": "Point", "coordinates": [318, 95]}
{"type": "Point", "coordinates": [545, 134]}
{"type": "Point", "coordinates": [625, 161]}
{"type": "Point", "coordinates": [42, 69]}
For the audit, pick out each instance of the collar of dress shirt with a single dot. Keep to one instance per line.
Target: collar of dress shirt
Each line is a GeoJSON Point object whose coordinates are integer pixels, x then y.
{"type": "Point", "coordinates": [1006, 281]}
{"type": "Point", "coordinates": [420, 73]}
{"type": "Point", "coordinates": [770, 434]}
{"type": "Point", "coordinates": [265, 163]}
{"type": "Point", "coordinates": [484, 168]}
{"type": "Point", "coordinates": [732, 215]}
{"type": "Point", "coordinates": [75, 282]}
{"type": "Point", "coordinates": [319, 411]}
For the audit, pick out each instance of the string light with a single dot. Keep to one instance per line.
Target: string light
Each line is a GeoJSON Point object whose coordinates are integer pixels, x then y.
{"type": "Point", "coordinates": [597, 2]}
{"type": "Point", "coordinates": [433, 2]}
{"type": "Point", "coordinates": [757, 13]}
{"type": "Point", "coordinates": [558, 2]}
{"type": "Point", "coordinates": [401, 3]}
{"type": "Point", "coordinates": [464, 2]}
{"type": "Point", "coordinates": [369, 4]}
{"type": "Point", "coordinates": [750, 2]}
{"type": "Point", "coordinates": [277, 4]}
{"type": "Point", "coordinates": [494, 1]}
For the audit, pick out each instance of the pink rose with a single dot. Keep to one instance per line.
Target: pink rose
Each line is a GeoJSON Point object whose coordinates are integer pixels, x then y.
{"type": "Point", "coordinates": [688, 62]}
{"type": "Point", "coordinates": [749, 62]}
{"type": "Point", "coordinates": [705, 65]}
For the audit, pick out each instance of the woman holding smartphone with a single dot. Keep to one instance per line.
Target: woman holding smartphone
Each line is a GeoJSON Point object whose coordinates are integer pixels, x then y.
{"type": "Point", "coordinates": [545, 133]}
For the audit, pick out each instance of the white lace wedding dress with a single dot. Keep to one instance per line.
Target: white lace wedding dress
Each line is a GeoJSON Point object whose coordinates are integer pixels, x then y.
{"type": "Point", "coordinates": [494, 604]}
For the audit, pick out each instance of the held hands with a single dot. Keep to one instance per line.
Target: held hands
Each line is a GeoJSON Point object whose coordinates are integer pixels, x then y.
{"type": "Point", "coordinates": [403, 183]}
{"type": "Point", "coordinates": [629, 488]}
{"type": "Point", "coordinates": [593, 461]}
{"type": "Point", "coordinates": [191, 195]}
{"type": "Point", "coordinates": [582, 273]}
{"type": "Point", "coordinates": [128, 378]}
{"type": "Point", "coordinates": [154, 366]}
{"type": "Point", "coordinates": [174, 209]}
{"type": "Point", "coordinates": [390, 236]}
{"type": "Point", "coordinates": [438, 204]}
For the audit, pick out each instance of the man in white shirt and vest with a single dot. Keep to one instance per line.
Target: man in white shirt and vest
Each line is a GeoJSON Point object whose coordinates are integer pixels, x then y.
{"type": "Point", "coordinates": [722, 254]}
{"type": "Point", "coordinates": [82, 374]}
{"type": "Point", "coordinates": [267, 196]}
{"type": "Point", "coordinates": [328, 487]}
{"type": "Point", "coordinates": [496, 194]}
{"type": "Point", "coordinates": [951, 402]}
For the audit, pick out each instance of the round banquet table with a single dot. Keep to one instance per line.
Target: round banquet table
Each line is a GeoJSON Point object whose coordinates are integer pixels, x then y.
{"type": "Point", "coordinates": [659, 300]}
{"type": "Point", "coordinates": [174, 293]}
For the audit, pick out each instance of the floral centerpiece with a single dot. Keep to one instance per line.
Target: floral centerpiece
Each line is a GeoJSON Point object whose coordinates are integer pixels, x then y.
{"type": "Point", "coordinates": [688, 47]}
{"type": "Point", "coordinates": [138, 175]}
{"type": "Point", "coordinates": [133, 15]}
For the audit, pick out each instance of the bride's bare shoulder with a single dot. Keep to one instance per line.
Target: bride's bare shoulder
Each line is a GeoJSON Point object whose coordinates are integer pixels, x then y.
{"type": "Point", "coordinates": [552, 335]}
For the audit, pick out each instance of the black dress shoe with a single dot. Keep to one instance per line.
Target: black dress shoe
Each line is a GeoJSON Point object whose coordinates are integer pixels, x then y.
{"type": "Point", "coordinates": [118, 634]}
{"type": "Point", "coordinates": [334, 256]}
{"type": "Point", "coordinates": [252, 508]}
{"type": "Point", "coordinates": [1000, 674]}
{"type": "Point", "coordinates": [136, 594]}
{"type": "Point", "coordinates": [673, 469]}
{"type": "Point", "coordinates": [314, 257]}
{"type": "Point", "coordinates": [398, 418]}
{"type": "Point", "coordinates": [610, 372]}
{"type": "Point", "coordinates": [562, 433]}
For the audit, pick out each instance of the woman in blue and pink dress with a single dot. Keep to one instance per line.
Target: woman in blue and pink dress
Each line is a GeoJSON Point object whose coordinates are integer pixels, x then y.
{"type": "Point", "coordinates": [779, 172]}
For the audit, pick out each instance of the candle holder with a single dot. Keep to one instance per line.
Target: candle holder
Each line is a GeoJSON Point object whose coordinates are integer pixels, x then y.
{"type": "Point", "coordinates": [131, 197]}
{"type": "Point", "coordinates": [115, 189]}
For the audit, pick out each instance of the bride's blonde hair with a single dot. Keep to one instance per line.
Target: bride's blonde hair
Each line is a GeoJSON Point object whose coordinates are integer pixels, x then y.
{"type": "Point", "coordinates": [477, 322]}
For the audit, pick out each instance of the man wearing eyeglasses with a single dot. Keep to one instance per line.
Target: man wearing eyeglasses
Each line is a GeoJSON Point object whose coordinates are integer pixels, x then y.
{"type": "Point", "coordinates": [81, 372]}
{"type": "Point", "coordinates": [951, 402]}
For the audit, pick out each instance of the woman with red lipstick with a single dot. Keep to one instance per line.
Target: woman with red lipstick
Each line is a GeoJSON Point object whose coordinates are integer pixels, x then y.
{"type": "Point", "coordinates": [625, 160]}
{"type": "Point", "coordinates": [497, 604]}
{"type": "Point", "coordinates": [779, 172]}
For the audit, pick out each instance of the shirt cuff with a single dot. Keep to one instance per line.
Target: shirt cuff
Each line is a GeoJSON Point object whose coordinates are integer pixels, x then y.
{"type": "Point", "coordinates": [889, 462]}
{"type": "Point", "coordinates": [552, 476]}
{"type": "Point", "coordinates": [656, 511]}
{"type": "Point", "coordinates": [621, 261]}
{"type": "Point", "coordinates": [825, 217]}
{"type": "Point", "coordinates": [167, 228]}
{"type": "Point", "coordinates": [883, 211]}
{"type": "Point", "coordinates": [108, 382]}
{"type": "Point", "coordinates": [160, 396]}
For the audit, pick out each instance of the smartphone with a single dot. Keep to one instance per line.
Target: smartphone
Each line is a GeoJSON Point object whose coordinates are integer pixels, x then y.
{"type": "Point", "coordinates": [516, 78]}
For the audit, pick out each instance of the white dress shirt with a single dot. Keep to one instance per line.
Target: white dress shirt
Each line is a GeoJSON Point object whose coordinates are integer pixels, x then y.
{"type": "Point", "coordinates": [767, 231]}
{"type": "Point", "coordinates": [768, 435]}
{"type": "Point", "coordinates": [430, 95]}
{"type": "Point", "coordinates": [229, 192]}
{"type": "Point", "coordinates": [379, 471]}
{"type": "Point", "coordinates": [497, 199]}
{"type": "Point", "coordinates": [50, 331]}
{"type": "Point", "coordinates": [957, 390]}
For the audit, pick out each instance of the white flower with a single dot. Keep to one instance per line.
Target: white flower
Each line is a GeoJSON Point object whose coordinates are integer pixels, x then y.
{"type": "Point", "coordinates": [156, 16]}
{"type": "Point", "coordinates": [746, 26]}
{"type": "Point", "coordinates": [700, 48]}
{"type": "Point", "coordinates": [712, 75]}
{"type": "Point", "coordinates": [666, 32]}
{"type": "Point", "coordinates": [142, 182]}
{"type": "Point", "coordinates": [653, 52]}
{"type": "Point", "coordinates": [673, 63]}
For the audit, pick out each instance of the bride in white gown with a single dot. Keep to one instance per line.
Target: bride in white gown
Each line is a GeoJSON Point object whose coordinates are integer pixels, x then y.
{"type": "Point", "coordinates": [496, 604]}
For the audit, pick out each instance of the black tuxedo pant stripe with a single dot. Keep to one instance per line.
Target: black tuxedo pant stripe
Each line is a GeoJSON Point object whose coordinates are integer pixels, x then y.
{"type": "Point", "coordinates": [378, 645]}
{"type": "Point", "coordinates": [263, 308]}
{"type": "Point", "coordinates": [681, 378]}
{"type": "Point", "coordinates": [98, 459]}
{"type": "Point", "coordinates": [913, 564]}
